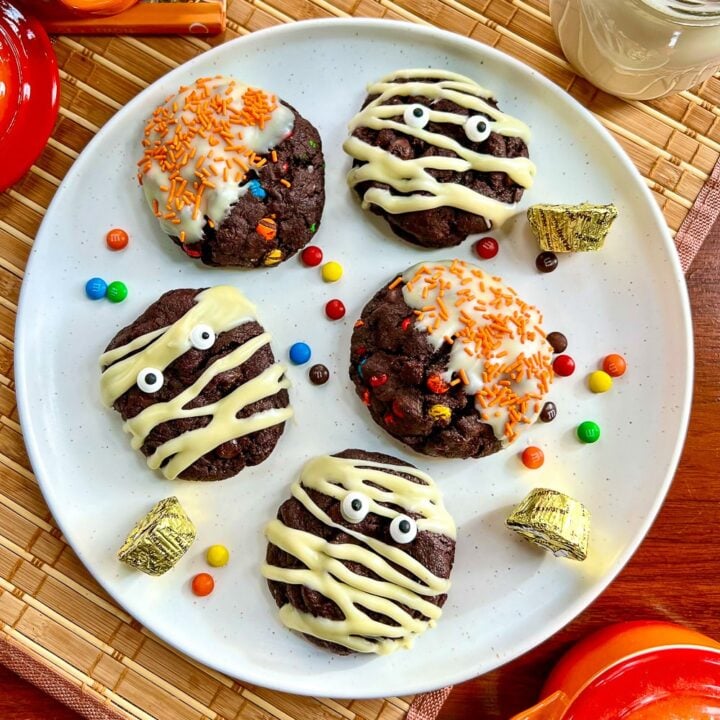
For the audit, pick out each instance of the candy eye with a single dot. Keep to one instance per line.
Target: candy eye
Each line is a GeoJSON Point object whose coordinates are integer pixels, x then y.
{"type": "Point", "coordinates": [354, 507]}
{"type": "Point", "coordinates": [477, 128]}
{"type": "Point", "coordinates": [202, 337]}
{"type": "Point", "coordinates": [150, 380]}
{"type": "Point", "coordinates": [403, 529]}
{"type": "Point", "coordinates": [416, 116]}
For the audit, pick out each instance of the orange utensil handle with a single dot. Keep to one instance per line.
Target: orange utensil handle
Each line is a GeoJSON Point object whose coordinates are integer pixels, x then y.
{"type": "Point", "coordinates": [98, 7]}
{"type": "Point", "coordinates": [552, 707]}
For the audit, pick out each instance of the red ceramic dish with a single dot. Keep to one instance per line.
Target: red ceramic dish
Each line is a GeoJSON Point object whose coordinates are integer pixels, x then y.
{"type": "Point", "coordinates": [639, 670]}
{"type": "Point", "coordinates": [29, 97]}
{"type": "Point", "coordinates": [661, 684]}
{"type": "Point", "coordinates": [607, 646]}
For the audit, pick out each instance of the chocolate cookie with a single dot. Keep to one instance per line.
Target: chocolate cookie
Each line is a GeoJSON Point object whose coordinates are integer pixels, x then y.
{"type": "Point", "coordinates": [450, 361]}
{"type": "Point", "coordinates": [234, 176]}
{"type": "Point", "coordinates": [433, 155]}
{"type": "Point", "coordinates": [359, 557]}
{"type": "Point", "coordinates": [197, 384]}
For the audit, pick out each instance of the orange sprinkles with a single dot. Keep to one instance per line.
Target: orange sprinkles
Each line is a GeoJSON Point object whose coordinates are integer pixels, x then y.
{"type": "Point", "coordinates": [490, 316]}
{"type": "Point", "coordinates": [205, 112]}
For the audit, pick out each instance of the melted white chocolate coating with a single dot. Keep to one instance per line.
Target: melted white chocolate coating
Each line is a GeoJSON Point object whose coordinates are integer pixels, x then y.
{"type": "Point", "coordinates": [222, 308]}
{"type": "Point", "coordinates": [411, 176]}
{"type": "Point", "coordinates": [326, 573]}
{"type": "Point", "coordinates": [498, 343]}
{"type": "Point", "coordinates": [199, 146]}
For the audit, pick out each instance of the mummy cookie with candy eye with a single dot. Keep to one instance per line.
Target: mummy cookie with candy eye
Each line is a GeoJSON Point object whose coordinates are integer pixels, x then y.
{"type": "Point", "coordinates": [434, 156]}
{"type": "Point", "coordinates": [234, 175]}
{"type": "Point", "coordinates": [196, 382]}
{"type": "Point", "coordinates": [359, 558]}
{"type": "Point", "coordinates": [451, 361]}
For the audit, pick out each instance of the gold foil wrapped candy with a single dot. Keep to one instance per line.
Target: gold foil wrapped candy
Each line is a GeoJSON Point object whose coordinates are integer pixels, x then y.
{"type": "Point", "coordinates": [160, 539]}
{"type": "Point", "coordinates": [553, 521]}
{"type": "Point", "coordinates": [571, 228]}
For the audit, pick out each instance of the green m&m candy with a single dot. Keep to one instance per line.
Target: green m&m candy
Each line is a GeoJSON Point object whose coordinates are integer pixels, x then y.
{"type": "Point", "coordinates": [116, 291]}
{"type": "Point", "coordinates": [588, 431]}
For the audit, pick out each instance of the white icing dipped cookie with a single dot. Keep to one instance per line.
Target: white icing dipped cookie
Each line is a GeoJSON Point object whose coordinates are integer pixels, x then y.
{"type": "Point", "coordinates": [197, 384]}
{"type": "Point", "coordinates": [359, 558]}
{"type": "Point", "coordinates": [234, 175]}
{"type": "Point", "coordinates": [435, 156]}
{"type": "Point", "coordinates": [451, 361]}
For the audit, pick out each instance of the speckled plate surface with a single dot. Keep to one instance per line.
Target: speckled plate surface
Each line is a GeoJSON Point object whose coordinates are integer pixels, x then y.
{"type": "Point", "coordinates": [507, 595]}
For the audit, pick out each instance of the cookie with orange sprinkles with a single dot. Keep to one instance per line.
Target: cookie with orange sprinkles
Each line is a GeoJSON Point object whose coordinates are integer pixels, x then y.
{"type": "Point", "coordinates": [234, 175]}
{"type": "Point", "coordinates": [451, 361]}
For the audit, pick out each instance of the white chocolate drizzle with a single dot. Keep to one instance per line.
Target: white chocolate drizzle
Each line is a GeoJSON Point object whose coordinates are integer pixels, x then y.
{"type": "Point", "coordinates": [222, 308]}
{"type": "Point", "coordinates": [411, 176]}
{"type": "Point", "coordinates": [498, 344]}
{"type": "Point", "coordinates": [326, 573]}
{"type": "Point", "coordinates": [198, 147]}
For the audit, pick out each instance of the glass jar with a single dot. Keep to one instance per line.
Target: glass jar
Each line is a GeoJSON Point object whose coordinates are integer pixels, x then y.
{"type": "Point", "coordinates": [640, 49]}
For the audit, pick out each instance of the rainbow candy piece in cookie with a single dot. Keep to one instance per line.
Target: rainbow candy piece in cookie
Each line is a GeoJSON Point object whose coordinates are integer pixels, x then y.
{"type": "Point", "coordinates": [415, 188]}
{"type": "Point", "coordinates": [411, 510]}
{"type": "Point", "coordinates": [200, 145]}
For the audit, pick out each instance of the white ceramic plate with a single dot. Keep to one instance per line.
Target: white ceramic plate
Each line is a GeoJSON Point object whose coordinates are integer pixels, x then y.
{"type": "Point", "coordinates": [507, 595]}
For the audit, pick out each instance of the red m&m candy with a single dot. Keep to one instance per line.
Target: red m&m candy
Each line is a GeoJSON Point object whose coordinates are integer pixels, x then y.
{"type": "Point", "coordinates": [312, 255]}
{"type": "Point", "coordinates": [486, 248]}
{"type": "Point", "coordinates": [564, 365]}
{"type": "Point", "coordinates": [335, 309]}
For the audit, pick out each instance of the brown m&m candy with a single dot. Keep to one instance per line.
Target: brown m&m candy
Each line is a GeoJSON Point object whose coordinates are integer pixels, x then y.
{"type": "Point", "coordinates": [557, 341]}
{"type": "Point", "coordinates": [546, 262]}
{"type": "Point", "coordinates": [318, 374]}
{"type": "Point", "coordinates": [548, 412]}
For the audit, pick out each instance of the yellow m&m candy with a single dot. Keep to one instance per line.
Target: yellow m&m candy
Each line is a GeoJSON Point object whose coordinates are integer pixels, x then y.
{"type": "Point", "coordinates": [600, 381]}
{"type": "Point", "coordinates": [332, 271]}
{"type": "Point", "coordinates": [217, 555]}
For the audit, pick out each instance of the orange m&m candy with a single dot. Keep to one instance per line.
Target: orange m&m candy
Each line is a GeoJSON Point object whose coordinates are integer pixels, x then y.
{"type": "Point", "coordinates": [614, 365]}
{"type": "Point", "coordinates": [267, 229]}
{"type": "Point", "coordinates": [203, 584]}
{"type": "Point", "coordinates": [117, 239]}
{"type": "Point", "coordinates": [532, 457]}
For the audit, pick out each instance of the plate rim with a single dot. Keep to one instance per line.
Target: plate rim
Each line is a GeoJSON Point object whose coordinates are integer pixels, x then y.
{"type": "Point", "coordinates": [582, 601]}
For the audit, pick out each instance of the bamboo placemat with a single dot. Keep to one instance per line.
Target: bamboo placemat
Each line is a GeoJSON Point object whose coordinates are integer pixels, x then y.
{"type": "Point", "coordinates": [51, 611]}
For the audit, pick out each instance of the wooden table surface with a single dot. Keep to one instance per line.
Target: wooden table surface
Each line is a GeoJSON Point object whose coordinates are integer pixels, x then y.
{"type": "Point", "coordinates": [673, 576]}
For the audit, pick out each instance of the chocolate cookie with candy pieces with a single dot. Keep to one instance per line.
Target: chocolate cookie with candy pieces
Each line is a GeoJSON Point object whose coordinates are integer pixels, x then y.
{"type": "Point", "coordinates": [435, 157]}
{"type": "Point", "coordinates": [451, 361]}
{"type": "Point", "coordinates": [234, 175]}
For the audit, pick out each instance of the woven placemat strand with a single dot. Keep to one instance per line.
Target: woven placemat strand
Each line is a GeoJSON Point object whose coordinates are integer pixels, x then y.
{"type": "Point", "coordinates": [52, 614]}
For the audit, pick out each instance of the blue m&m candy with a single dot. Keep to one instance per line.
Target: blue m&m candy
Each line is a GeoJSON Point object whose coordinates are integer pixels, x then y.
{"type": "Point", "coordinates": [256, 189]}
{"type": "Point", "coordinates": [300, 353]}
{"type": "Point", "coordinates": [95, 288]}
